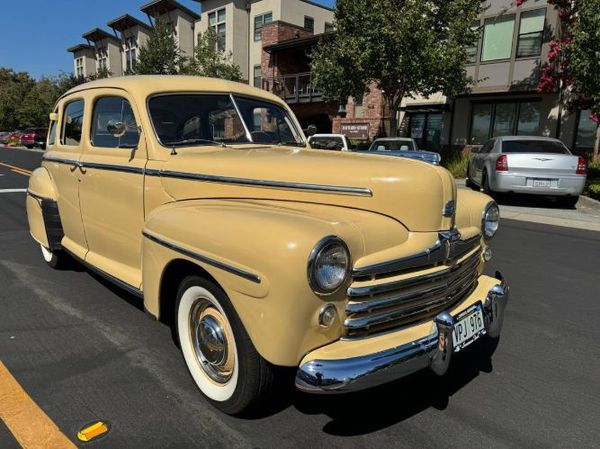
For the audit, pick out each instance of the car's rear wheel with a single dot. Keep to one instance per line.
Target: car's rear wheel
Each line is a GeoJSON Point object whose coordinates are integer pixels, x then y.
{"type": "Point", "coordinates": [217, 349]}
{"type": "Point", "coordinates": [568, 202]}
{"type": "Point", "coordinates": [55, 259]}
{"type": "Point", "coordinates": [485, 184]}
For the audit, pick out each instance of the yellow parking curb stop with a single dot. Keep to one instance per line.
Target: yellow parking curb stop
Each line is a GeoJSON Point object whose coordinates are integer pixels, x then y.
{"type": "Point", "coordinates": [92, 431]}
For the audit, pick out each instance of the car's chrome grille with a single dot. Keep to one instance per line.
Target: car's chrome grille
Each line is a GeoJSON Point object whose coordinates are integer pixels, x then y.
{"type": "Point", "coordinates": [376, 307]}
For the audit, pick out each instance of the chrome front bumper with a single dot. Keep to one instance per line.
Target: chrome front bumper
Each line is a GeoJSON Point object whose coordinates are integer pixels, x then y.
{"type": "Point", "coordinates": [434, 351]}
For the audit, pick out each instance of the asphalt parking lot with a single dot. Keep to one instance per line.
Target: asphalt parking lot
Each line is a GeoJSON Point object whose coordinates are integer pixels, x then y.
{"type": "Point", "coordinates": [83, 350]}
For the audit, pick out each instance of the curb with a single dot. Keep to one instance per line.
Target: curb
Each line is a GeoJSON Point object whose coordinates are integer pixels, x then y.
{"type": "Point", "coordinates": [589, 202]}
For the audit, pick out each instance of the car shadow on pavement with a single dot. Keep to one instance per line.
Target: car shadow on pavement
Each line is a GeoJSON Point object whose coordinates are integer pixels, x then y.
{"type": "Point", "coordinates": [375, 409]}
{"type": "Point", "coordinates": [535, 201]}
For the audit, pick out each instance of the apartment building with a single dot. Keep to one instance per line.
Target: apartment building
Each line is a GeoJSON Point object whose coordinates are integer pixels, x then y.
{"type": "Point", "coordinates": [505, 64]}
{"type": "Point", "coordinates": [133, 34]}
{"type": "Point", "coordinates": [107, 50]}
{"type": "Point", "coordinates": [84, 60]}
{"type": "Point", "coordinates": [240, 23]}
{"type": "Point", "coordinates": [118, 52]}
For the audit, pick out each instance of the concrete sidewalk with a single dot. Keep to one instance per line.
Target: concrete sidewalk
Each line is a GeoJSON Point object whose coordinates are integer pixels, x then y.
{"type": "Point", "coordinates": [586, 215]}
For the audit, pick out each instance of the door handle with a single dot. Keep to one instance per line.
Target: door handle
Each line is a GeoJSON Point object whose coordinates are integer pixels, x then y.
{"type": "Point", "coordinates": [77, 165]}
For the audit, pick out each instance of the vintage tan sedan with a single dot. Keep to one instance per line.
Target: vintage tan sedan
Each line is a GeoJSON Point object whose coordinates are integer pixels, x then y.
{"type": "Point", "coordinates": [202, 198]}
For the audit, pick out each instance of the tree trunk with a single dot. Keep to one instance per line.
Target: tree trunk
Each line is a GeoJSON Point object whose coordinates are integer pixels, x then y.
{"type": "Point", "coordinates": [389, 114]}
{"type": "Point", "coordinates": [596, 154]}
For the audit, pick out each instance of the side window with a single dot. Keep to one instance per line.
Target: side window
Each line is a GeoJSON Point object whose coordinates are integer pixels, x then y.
{"type": "Point", "coordinates": [52, 134]}
{"type": "Point", "coordinates": [111, 111]}
{"type": "Point", "coordinates": [72, 123]}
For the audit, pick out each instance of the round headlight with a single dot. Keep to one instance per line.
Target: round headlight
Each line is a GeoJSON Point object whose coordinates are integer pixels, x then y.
{"type": "Point", "coordinates": [328, 265]}
{"type": "Point", "coordinates": [490, 220]}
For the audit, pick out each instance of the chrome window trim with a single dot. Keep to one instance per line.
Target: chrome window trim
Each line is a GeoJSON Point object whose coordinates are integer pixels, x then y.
{"type": "Point", "coordinates": [237, 109]}
{"type": "Point", "coordinates": [204, 259]}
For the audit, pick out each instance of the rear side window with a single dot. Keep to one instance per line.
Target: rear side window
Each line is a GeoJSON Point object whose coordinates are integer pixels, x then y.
{"type": "Point", "coordinates": [72, 123]}
{"type": "Point", "coordinates": [110, 111]}
{"type": "Point", "coordinates": [534, 146]}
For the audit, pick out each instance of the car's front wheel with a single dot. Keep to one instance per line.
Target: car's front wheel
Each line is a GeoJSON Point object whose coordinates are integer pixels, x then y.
{"type": "Point", "coordinates": [217, 349]}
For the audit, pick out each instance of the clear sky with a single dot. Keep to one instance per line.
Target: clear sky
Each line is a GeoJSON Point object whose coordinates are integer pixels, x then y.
{"type": "Point", "coordinates": [35, 34]}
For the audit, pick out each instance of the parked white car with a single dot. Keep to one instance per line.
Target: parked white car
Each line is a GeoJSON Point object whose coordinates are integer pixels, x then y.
{"type": "Point", "coordinates": [533, 165]}
{"type": "Point", "coordinates": [335, 142]}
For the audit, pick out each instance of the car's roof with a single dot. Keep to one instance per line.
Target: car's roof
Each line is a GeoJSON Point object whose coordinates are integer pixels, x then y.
{"type": "Point", "coordinates": [541, 138]}
{"type": "Point", "coordinates": [145, 85]}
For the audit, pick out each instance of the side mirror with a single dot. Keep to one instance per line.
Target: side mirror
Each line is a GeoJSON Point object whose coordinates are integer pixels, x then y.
{"type": "Point", "coordinates": [53, 116]}
{"type": "Point", "coordinates": [116, 128]}
{"type": "Point", "coordinates": [311, 130]}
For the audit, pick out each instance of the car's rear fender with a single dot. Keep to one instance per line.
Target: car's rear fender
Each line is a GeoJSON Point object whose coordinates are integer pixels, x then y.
{"type": "Point", "coordinates": [42, 210]}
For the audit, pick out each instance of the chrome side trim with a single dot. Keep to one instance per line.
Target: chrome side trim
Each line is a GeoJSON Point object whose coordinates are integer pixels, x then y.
{"type": "Point", "coordinates": [359, 191]}
{"type": "Point", "coordinates": [207, 260]}
{"type": "Point", "coordinates": [59, 160]}
{"type": "Point", "coordinates": [434, 351]}
{"type": "Point", "coordinates": [109, 277]}
{"type": "Point", "coordinates": [112, 167]}
{"type": "Point", "coordinates": [438, 253]}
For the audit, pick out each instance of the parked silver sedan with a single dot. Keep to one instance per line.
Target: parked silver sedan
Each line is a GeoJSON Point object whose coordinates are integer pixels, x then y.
{"type": "Point", "coordinates": [533, 165]}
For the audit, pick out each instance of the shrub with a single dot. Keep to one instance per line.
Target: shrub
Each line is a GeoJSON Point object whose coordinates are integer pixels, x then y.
{"type": "Point", "coordinates": [594, 171]}
{"type": "Point", "coordinates": [456, 164]}
{"type": "Point", "coordinates": [593, 190]}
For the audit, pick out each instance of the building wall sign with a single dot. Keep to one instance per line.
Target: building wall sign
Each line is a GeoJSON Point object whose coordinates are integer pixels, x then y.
{"type": "Point", "coordinates": [359, 131]}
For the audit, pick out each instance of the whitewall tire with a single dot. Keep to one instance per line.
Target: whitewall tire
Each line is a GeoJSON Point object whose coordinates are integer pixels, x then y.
{"type": "Point", "coordinates": [217, 349]}
{"type": "Point", "coordinates": [55, 259]}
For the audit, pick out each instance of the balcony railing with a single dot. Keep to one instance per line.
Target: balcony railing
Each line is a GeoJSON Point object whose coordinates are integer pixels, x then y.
{"type": "Point", "coordinates": [294, 88]}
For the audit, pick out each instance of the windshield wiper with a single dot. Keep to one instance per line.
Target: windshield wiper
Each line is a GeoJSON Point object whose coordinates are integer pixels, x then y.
{"type": "Point", "coordinates": [177, 143]}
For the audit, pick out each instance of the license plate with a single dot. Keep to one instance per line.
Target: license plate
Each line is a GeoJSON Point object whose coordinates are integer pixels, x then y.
{"type": "Point", "coordinates": [468, 327]}
{"type": "Point", "coordinates": [541, 183]}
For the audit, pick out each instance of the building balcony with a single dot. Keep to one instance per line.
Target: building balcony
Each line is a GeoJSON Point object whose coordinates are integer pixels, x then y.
{"type": "Point", "coordinates": [293, 88]}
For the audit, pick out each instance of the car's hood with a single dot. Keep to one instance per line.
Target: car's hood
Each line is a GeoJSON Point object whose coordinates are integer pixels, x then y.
{"type": "Point", "coordinates": [413, 192]}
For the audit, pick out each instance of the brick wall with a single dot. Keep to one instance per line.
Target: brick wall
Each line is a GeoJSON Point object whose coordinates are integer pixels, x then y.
{"type": "Point", "coordinates": [273, 33]}
{"type": "Point", "coordinates": [374, 111]}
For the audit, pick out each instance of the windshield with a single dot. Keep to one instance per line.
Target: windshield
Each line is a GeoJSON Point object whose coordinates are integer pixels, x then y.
{"type": "Point", "coordinates": [534, 146]}
{"type": "Point", "coordinates": [206, 119]}
{"type": "Point", "coordinates": [393, 145]}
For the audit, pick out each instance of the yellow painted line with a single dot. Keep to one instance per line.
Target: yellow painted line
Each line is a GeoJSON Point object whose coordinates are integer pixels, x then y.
{"type": "Point", "coordinates": [13, 168]}
{"type": "Point", "coordinates": [28, 423]}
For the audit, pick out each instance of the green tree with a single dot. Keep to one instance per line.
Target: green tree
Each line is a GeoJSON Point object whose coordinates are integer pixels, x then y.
{"type": "Point", "coordinates": [406, 47]}
{"type": "Point", "coordinates": [582, 58]}
{"type": "Point", "coordinates": [210, 61]}
{"type": "Point", "coordinates": [14, 87]}
{"type": "Point", "coordinates": [160, 54]}
{"type": "Point", "coordinates": [38, 102]}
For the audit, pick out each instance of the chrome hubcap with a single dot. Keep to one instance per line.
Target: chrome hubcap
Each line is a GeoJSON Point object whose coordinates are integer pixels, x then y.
{"type": "Point", "coordinates": [211, 339]}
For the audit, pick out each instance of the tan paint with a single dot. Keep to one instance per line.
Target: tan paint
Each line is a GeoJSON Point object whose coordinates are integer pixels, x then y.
{"type": "Point", "coordinates": [268, 232]}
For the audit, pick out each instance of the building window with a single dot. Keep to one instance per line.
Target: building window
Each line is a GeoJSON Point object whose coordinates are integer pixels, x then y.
{"type": "Point", "coordinates": [79, 68]}
{"type": "Point", "coordinates": [102, 58]}
{"type": "Point", "coordinates": [531, 33]}
{"type": "Point", "coordinates": [259, 22]}
{"type": "Point", "coordinates": [504, 119]}
{"type": "Point", "coordinates": [258, 76]}
{"type": "Point", "coordinates": [216, 20]}
{"type": "Point", "coordinates": [498, 38]}
{"type": "Point", "coordinates": [586, 130]}
{"type": "Point", "coordinates": [309, 23]}
{"type": "Point", "coordinates": [130, 53]}
{"type": "Point", "coordinates": [329, 28]}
